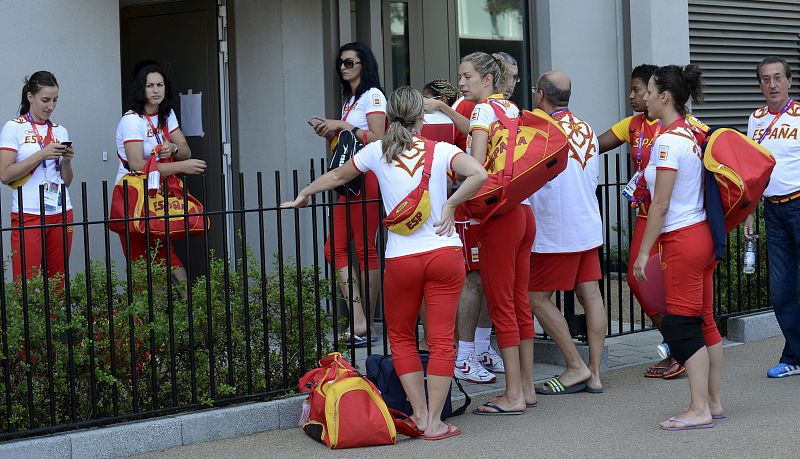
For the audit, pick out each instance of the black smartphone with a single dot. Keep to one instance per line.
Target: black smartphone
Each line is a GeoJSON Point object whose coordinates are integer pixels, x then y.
{"type": "Point", "coordinates": [67, 144]}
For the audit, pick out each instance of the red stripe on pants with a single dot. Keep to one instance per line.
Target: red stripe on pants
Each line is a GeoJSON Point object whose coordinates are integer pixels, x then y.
{"type": "Point", "coordinates": [341, 234]}
{"type": "Point", "coordinates": [438, 276]}
{"type": "Point", "coordinates": [636, 243]}
{"type": "Point", "coordinates": [687, 259]}
{"type": "Point", "coordinates": [54, 244]}
{"type": "Point", "coordinates": [505, 255]}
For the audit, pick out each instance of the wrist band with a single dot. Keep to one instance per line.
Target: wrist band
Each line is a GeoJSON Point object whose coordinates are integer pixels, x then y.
{"type": "Point", "coordinates": [364, 140]}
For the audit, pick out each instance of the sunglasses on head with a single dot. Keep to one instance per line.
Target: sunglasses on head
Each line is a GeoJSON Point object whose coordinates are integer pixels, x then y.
{"type": "Point", "coordinates": [348, 63]}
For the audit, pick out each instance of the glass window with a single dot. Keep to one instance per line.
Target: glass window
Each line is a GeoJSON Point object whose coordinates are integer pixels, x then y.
{"type": "Point", "coordinates": [498, 25]}
{"type": "Point", "coordinates": [398, 16]}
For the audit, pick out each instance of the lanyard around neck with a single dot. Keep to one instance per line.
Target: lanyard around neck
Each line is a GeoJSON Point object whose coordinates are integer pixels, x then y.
{"type": "Point", "coordinates": [774, 120]}
{"type": "Point", "coordinates": [641, 140]}
{"type": "Point", "coordinates": [43, 142]}
{"type": "Point", "coordinates": [155, 131]}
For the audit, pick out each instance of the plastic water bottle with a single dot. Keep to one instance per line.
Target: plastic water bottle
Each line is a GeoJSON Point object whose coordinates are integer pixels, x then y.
{"type": "Point", "coordinates": [750, 255]}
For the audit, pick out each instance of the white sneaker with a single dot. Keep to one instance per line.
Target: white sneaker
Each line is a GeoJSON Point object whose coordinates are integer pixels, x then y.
{"type": "Point", "coordinates": [492, 361]}
{"type": "Point", "coordinates": [471, 370]}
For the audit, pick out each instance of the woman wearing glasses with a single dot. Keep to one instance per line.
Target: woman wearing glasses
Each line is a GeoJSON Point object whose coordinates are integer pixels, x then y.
{"type": "Point", "coordinates": [364, 112]}
{"type": "Point", "coordinates": [35, 151]}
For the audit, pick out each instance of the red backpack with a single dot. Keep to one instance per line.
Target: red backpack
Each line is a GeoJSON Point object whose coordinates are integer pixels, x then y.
{"type": "Point", "coordinates": [540, 151]}
{"type": "Point", "coordinates": [344, 409]}
{"type": "Point", "coordinates": [741, 168]}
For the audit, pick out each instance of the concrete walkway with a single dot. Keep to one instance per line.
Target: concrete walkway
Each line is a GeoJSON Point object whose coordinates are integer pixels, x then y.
{"type": "Point", "coordinates": [623, 422]}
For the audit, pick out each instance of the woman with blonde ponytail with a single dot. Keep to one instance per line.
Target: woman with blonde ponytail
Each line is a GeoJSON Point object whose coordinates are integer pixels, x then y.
{"type": "Point", "coordinates": [506, 240]}
{"type": "Point", "coordinates": [424, 264]}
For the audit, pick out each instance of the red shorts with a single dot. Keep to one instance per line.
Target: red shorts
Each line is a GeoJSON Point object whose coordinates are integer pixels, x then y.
{"type": "Point", "coordinates": [470, 235]}
{"type": "Point", "coordinates": [563, 271]}
{"type": "Point", "coordinates": [687, 261]}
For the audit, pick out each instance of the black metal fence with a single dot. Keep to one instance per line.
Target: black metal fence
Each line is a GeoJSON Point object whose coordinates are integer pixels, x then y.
{"type": "Point", "coordinates": [118, 339]}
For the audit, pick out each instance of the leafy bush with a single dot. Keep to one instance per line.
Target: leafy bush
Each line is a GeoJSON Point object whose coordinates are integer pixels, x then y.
{"type": "Point", "coordinates": [147, 348]}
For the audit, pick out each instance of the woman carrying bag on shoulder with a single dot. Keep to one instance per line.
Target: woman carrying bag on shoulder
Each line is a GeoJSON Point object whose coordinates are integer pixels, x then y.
{"type": "Point", "coordinates": [36, 151]}
{"type": "Point", "coordinates": [364, 114]}
{"type": "Point", "coordinates": [423, 253]}
{"type": "Point", "coordinates": [150, 128]}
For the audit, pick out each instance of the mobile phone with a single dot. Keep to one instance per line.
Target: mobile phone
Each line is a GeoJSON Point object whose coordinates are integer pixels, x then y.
{"type": "Point", "coordinates": [67, 144]}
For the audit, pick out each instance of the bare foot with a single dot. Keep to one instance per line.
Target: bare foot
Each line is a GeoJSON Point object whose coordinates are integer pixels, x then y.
{"type": "Point", "coordinates": [594, 382]}
{"type": "Point", "coordinates": [572, 376]}
{"type": "Point", "coordinates": [529, 393]}
{"type": "Point", "coordinates": [689, 417]}
{"type": "Point", "coordinates": [421, 422]}
{"type": "Point", "coordinates": [505, 404]}
{"type": "Point", "coordinates": [435, 429]}
{"type": "Point", "coordinates": [716, 408]}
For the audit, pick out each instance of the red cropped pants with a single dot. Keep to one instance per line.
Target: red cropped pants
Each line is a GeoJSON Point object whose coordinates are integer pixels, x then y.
{"type": "Point", "coordinates": [342, 235]}
{"type": "Point", "coordinates": [438, 277]}
{"type": "Point", "coordinates": [53, 241]}
{"type": "Point", "coordinates": [636, 243]}
{"type": "Point", "coordinates": [505, 254]}
{"type": "Point", "coordinates": [687, 260]}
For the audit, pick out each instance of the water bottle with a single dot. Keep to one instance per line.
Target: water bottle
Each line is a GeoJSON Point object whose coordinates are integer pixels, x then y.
{"type": "Point", "coordinates": [750, 255]}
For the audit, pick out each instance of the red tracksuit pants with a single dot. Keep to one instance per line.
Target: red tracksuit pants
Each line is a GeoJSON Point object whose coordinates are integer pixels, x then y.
{"type": "Point", "coordinates": [505, 255]}
{"type": "Point", "coordinates": [342, 235]}
{"type": "Point", "coordinates": [53, 241]}
{"type": "Point", "coordinates": [438, 277]}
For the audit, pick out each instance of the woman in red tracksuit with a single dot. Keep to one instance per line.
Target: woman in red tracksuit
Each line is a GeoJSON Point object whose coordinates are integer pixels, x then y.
{"type": "Point", "coordinates": [506, 241]}
{"type": "Point", "coordinates": [424, 264]}
{"type": "Point", "coordinates": [677, 222]}
{"type": "Point", "coordinates": [364, 110]}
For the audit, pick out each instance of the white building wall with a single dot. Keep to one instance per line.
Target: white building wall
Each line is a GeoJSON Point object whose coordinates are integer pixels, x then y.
{"type": "Point", "coordinates": [80, 46]}
{"type": "Point", "coordinates": [660, 32]}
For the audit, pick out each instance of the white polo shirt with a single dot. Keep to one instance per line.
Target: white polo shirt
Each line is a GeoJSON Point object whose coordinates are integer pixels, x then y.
{"type": "Point", "coordinates": [18, 138]}
{"type": "Point", "coordinates": [783, 141]}
{"type": "Point", "coordinates": [677, 150]}
{"type": "Point", "coordinates": [398, 179]}
{"type": "Point", "coordinates": [372, 101]}
{"type": "Point", "coordinates": [567, 213]}
{"type": "Point", "coordinates": [135, 128]}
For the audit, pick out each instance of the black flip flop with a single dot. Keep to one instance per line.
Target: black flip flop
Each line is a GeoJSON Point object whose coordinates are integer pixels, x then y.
{"type": "Point", "coordinates": [592, 390]}
{"type": "Point", "coordinates": [554, 386]}
{"type": "Point", "coordinates": [499, 411]}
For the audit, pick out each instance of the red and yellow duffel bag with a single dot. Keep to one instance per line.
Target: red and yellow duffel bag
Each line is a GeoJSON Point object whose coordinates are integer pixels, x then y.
{"type": "Point", "coordinates": [741, 168]}
{"type": "Point", "coordinates": [540, 153]}
{"type": "Point", "coordinates": [161, 202]}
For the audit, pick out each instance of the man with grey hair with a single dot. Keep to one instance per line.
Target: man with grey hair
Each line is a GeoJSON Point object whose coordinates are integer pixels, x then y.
{"type": "Point", "coordinates": [568, 235]}
{"type": "Point", "coordinates": [775, 126]}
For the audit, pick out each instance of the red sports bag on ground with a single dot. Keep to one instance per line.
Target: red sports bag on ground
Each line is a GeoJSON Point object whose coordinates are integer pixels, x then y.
{"type": "Point", "coordinates": [540, 153]}
{"type": "Point", "coordinates": [741, 168]}
{"type": "Point", "coordinates": [344, 409]}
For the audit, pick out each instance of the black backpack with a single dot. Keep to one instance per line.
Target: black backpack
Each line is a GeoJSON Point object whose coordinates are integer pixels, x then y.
{"type": "Point", "coordinates": [380, 370]}
{"type": "Point", "coordinates": [346, 147]}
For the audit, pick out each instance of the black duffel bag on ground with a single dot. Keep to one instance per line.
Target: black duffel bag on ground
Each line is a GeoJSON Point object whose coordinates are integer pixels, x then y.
{"type": "Point", "coordinates": [380, 370]}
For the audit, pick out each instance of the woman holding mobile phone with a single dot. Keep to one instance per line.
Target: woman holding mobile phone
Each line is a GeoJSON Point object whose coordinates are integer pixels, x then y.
{"type": "Point", "coordinates": [364, 112]}
{"type": "Point", "coordinates": [36, 151]}
{"type": "Point", "coordinates": [150, 127]}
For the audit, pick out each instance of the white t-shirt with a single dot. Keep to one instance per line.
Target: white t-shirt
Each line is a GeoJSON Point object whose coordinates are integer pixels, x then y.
{"type": "Point", "coordinates": [783, 141]}
{"type": "Point", "coordinates": [567, 213]}
{"type": "Point", "coordinates": [398, 179]}
{"type": "Point", "coordinates": [439, 127]}
{"type": "Point", "coordinates": [135, 128]}
{"type": "Point", "coordinates": [483, 116]}
{"type": "Point", "coordinates": [18, 137]}
{"type": "Point", "coordinates": [372, 101]}
{"type": "Point", "coordinates": [676, 149]}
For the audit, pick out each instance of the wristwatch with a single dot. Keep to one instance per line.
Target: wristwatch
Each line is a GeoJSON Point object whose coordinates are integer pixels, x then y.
{"type": "Point", "coordinates": [175, 151]}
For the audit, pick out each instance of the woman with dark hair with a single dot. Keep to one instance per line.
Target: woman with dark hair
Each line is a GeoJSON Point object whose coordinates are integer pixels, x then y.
{"type": "Point", "coordinates": [423, 264]}
{"type": "Point", "coordinates": [364, 113]}
{"type": "Point", "coordinates": [676, 221]}
{"type": "Point", "coordinates": [149, 128]}
{"type": "Point", "coordinates": [36, 151]}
